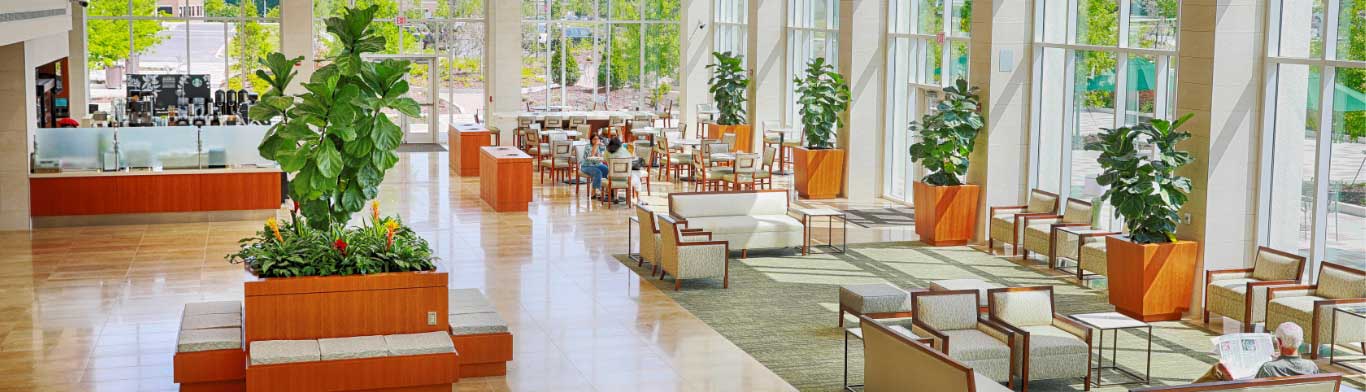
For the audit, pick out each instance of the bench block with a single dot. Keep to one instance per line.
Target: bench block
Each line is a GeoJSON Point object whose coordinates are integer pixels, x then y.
{"type": "Point", "coordinates": [429, 372]}
{"type": "Point", "coordinates": [318, 307]}
{"type": "Point", "coordinates": [484, 354]}
{"type": "Point", "coordinates": [216, 370]}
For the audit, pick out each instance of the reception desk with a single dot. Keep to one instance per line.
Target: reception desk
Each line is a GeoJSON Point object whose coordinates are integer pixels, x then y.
{"type": "Point", "coordinates": [146, 192]}
{"type": "Point", "coordinates": [505, 178]}
{"type": "Point", "coordinates": [465, 140]}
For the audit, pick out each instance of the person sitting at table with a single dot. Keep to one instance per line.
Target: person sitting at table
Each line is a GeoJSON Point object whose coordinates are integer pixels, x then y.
{"type": "Point", "coordinates": [590, 162]}
{"type": "Point", "coordinates": [1286, 340]}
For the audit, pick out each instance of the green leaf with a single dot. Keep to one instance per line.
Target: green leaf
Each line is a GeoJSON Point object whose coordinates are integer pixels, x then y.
{"type": "Point", "coordinates": [386, 134]}
{"type": "Point", "coordinates": [407, 106]}
{"type": "Point", "coordinates": [291, 160]}
{"type": "Point", "coordinates": [329, 160]}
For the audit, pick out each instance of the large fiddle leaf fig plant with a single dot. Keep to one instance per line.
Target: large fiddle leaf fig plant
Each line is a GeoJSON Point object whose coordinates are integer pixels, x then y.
{"type": "Point", "coordinates": [334, 139]}
{"type": "Point", "coordinates": [824, 96]}
{"type": "Point", "coordinates": [729, 84]}
{"type": "Point", "coordinates": [948, 135]}
{"type": "Point", "coordinates": [1139, 165]}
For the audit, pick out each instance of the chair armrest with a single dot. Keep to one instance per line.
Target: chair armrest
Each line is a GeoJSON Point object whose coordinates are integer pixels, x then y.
{"type": "Point", "coordinates": [1041, 217]}
{"type": "Point", "coordinates": [1290, 291]}
{"type": "Point", "coordinates": [1061, 225]}
{"type": "Point", "coordinates": [1340, 301]}
{"type": "Point", "coordinates": [688, 230]}
{"type": "Point", "coordinates": [1072, 326]}
{"type": "Point", "coordinates": [999, 330]}
{"type": "Point", "coordinates": [704, 243]}
{"type": "Point", "coordinates": [1102, 234]}
{"type": "Point", "coordinates": [692, 233]}
{"type": "Point", "coordinates": [1211, 275]}
{"type": "Point", "coordinates": [932, 333]}
{"type": "Point", "coordinates": [992, 210]}
{"type": "Point", "coordinates": [1260, 283]}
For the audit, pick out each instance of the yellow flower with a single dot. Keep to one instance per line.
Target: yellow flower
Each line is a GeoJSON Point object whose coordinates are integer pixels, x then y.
{"type": "Point", "coordinates": [374, 210]}
{"type": "Point", "coordinates": [275, 228]}
{"type": "Point", "coordinates": [391, 224]}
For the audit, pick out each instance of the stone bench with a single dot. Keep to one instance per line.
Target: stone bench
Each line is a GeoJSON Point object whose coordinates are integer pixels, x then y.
{"type": "Point", "coordinates": [209, 353]}
{"type": "Point", "coordinates": [479, 334]}
{"type": "Point", "coordinates": [418, 361]}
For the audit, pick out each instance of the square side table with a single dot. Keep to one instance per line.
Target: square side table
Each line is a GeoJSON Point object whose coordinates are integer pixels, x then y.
{"type": "Point", "coordinates": [1113, 322]}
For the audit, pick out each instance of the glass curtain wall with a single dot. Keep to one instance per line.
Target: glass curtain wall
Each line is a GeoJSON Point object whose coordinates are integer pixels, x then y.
{"type": "Point", "coordinates": [452, 30]}
{"type": "Point", "coordinates": [599, 54]}
{"type": "Point", "coordinates": [1313, 197]}
{"type": "Point", "coordinates": [927, 49]}
{"type": "Point", "coordinates": [812, 32]}
{"type": "Point", "coordinates": [732, 26]}
{"type": "Point", "coordinates": [1098, 64]}
{"type": "Point", "coordinates": [221, 38]}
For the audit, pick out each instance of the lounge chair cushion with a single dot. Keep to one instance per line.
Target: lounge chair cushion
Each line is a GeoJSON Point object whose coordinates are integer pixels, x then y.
{"type": "Point", "coordinates": [477, 324]}
{"type": "Point", "coordinates": [197, 340]}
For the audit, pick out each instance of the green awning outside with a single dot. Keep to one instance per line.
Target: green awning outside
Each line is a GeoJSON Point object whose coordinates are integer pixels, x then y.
{"type": "Point", "coordinates": [1345, 99]}
{"type": "Point", "coordinates": [1142, 73]}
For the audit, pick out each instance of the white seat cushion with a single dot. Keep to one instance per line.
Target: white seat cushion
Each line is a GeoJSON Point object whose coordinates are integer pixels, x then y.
{"type": "Point", "coordinates": [747, 224]}
{"type": "Point", "coordinates": [419, 343]}
{"type": "Point", "coordinates": [213, 320]}
{"type": "Point", "coordinates": [197, 340]}
{"type": "Point", "coordinates": [265, 352]}
{"type": "Point", "coordinates": [477, 324]}
{"type": "Point", "coordinates": [463, 301]}
{"type": "Point", "coordinates": [217, 307]}
{"type": "Point", "coordinates": [1050, 340]}
{"type": "Point", "coordinates": [972, 345]}
{"type": "Point", "coordinates": [352, 348]}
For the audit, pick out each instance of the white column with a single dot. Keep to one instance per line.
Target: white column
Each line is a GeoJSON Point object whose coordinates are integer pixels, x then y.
{"type": "Point", "coordinates": [503, 63]}
{"type": "Point", "coordinates": [18, 117]}
{"type": "Point", "coordinates": [1287, 210]}
{"type": "Point", "coordinates": [1220, 83]}
{"type": "Point", "coordinates": [767, 54]}
{"type": "Point", "coordinates": [695, 48]}
{"type": "Point", "coordinates": [78, 74]}
{"type": "Point", "coordinates": [861, 61]}
{"type": "Point", "coordinates": [999, 64]}
{"type": "Point", "coordinates": [296, 36]}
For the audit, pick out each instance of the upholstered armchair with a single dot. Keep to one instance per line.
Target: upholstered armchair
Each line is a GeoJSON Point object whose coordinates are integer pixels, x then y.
{"type": "Point", "coordinates": [560, 162]}
{"type": "Point", "coordinates": [1006, 220]}
{"type": "Point", "coordinates": [648, 232]}
{"type": "Point", "coordinates": [1311, 307]}
{"type": "Point", "coordinates": [894, 360]}
{"type": "Point", "coordinates": [616, 126]}
{"type": "Point", "coordinates": [523, 128]}
{"type": "Point", "coordinates": [1047, 345]}
{"type": "Point", "coordinates": [1091, 255]}
{"type": "Point", "coordinates": [1240, 293]}
{"type": "Point", "coordinates": [691, 254]}
{"type": "Point", "coordinates": [1041, 234]}
{"type": "Point", "coordinates": [671, 160]}
{"type": "Point", "coordinates": [745, 172]}
{"type": "Point", "coordinates": [951, 319]}
{"type": "Point", "coordinates": [618, 179]}
{"type": "Point", "coordinates": [553, 122]}
{"type": "Point", "coordinates": [704, 175]}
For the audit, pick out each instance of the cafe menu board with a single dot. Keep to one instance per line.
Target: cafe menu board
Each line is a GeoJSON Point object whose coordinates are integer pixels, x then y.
{"type": "Point", "coordinates": [168, 89]}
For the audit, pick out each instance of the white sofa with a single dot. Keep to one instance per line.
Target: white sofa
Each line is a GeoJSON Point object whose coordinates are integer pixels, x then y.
{"type": "Point", "coordinates": [752, 219]}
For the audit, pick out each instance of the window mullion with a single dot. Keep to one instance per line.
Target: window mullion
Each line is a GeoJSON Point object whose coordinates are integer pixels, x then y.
{"type": "Point", "coordinates": [1322, 154]}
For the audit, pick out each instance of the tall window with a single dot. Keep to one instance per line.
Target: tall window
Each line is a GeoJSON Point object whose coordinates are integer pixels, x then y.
{"type": "Point", "coordinates": [812, 32]}
{"type": "Point", "coordinates": [927, 49]}
{"type": "Point", "coordinates": [1098, 64]}
{"type": "Point", "coordinates": [1313, 199]}
{"type": "Point", "coordinates": [452, 30]}
{"type": "Point", "coordinates": [221, 39]}
{"type": "Point", "coordinates": [599, 54]}
{"type": "Point", "coordinates": [732, 26]}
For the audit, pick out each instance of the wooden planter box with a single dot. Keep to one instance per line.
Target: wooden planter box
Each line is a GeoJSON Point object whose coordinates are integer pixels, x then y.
{"type": "Point", "coordinates": [1151, 282]}
{"type": "Point", "coordinates": [744, 135]}
{"type": "Point", "coordinates": [819, 174]}
{"type": "Point", "coordinates": [317, 307]}
{"type": "Point", "coordinates": [945, 215]}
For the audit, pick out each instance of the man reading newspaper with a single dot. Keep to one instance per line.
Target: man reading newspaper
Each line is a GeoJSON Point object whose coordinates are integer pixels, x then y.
{"type": "Point", "coordinates": [1238, 354]}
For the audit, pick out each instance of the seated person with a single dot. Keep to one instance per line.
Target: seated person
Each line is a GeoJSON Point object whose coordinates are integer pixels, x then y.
{"type": "Point", "coordinates": [1287, 340]}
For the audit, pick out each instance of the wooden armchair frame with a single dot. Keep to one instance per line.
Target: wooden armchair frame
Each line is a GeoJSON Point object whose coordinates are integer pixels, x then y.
{"type": "Point", "coordinates": [1024, 335]}
{"type": "Point", "coordinates": [1247, 295]}
{"type": "Point", "coordinates": [1015, 236]}
{"type": "Point", "coordinates": [678, 240]}
{"type": "Point", "coordinates": [944, 339]}
{"type": "Point", "coordinates": [1319, 305]}
{"type": "Point", "coordinates": [1053, 229]}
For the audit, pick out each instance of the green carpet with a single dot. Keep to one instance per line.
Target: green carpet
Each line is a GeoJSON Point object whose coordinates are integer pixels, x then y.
{"type": "Point", "coordinates": [782, 307]}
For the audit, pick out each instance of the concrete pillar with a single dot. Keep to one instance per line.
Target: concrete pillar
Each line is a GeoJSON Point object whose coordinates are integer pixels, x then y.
{"type": "Point", "coordinates": [767, 56]}
{"type": "Point", "coordinates": [861, 61]}
{"type": "Point", "coordinates": [999, 64]}
{"type": "Point", "coordinates": [503, 63]}
{"type": "Point", "coordinates": [1221, 87]}
{"type": "Point", "coordinates": [1287, 211]}
{"type": "Point", "coordinates": [695, 48]}
{"type": "Point", "coordinates": [296, 36]}
{"type": "Point", "coordinates": [18, 120]}
{"type": "Point", "coordinates": [78, 76]}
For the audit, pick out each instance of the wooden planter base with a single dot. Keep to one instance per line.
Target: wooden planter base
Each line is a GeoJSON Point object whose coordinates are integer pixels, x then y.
{"type": "Point", "coordinates": [214, 370]}
{"type": "Point", "coordinates": [483, 355]}
{"type": "Point", "coordinates": [341, 306]}
{"type": "Point", "coordinates": [1151, 282]}
{"type": "Point", "coordinates": [819, 174]}
{"type": "Point", "coordinates": [945, 215]}
{"type": "Point", "coordinates": [744, 135]}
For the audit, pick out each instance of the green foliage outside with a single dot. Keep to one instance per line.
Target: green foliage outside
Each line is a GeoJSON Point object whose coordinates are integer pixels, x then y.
{"type": "Point", "coordinates": [334, 138]}
{"type": "Point", "coordinates": [622, 40]}
{"type": "Point", "coordinates": [1101, 24]}
{"type": "Point", "coordinates": [107, 40]}
{"type": "Point", "coordinates": [564, 70]}
{"type": "Point", "coordinates": [1139, 165]}
{"type": "Point", "coordinates": [1354, 122]}
{"type": "Point", "coordinates": [824, 97]}
{"type": "Point", "coordinates": [251, 42]}
{"type": "Point", "coordinates": [729, 88]}
{"type": "Point", "coordinates": [948, 135]}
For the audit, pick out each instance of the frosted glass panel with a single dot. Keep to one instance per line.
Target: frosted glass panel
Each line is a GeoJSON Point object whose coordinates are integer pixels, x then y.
{"type": "Point", "coordinates": [159, 147]}
{"type": "Point", "coordinates": [75, 148]}
{"type": "Point", "coordinates": [234, 146]}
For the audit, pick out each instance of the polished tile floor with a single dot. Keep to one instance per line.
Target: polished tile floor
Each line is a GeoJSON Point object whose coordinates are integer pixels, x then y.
{"type": "Point", "coordinates": [97, 308]}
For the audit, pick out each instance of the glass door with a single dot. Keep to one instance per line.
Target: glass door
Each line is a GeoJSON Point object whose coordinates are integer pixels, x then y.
{"type": "Point", "coordinates": [421, 88]}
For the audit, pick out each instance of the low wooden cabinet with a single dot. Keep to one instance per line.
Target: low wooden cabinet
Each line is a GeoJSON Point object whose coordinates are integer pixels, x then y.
{"type": "Point", "coordinates": [465, 140]}
{"type": "Point", "coordinates": [505, 178]}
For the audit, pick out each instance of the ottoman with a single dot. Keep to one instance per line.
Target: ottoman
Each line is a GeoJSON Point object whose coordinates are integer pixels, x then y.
{"type": "Point", "coordinates": [966, 284]}
{"type": "Point", "coordinates": [877, 300]}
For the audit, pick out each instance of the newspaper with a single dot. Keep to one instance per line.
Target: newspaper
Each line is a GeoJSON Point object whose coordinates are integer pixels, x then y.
{"type": "Point", "coordinates": [1244, 353]}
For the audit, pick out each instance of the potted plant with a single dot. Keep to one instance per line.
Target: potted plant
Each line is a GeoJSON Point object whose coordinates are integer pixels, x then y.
{"type": "Point", "coordinates": [945, 205]}
{"type": "Point", "coordinates": [824, 97]}
{"type": "Point", "coordinates": [336, 144]}
{"type": "Point", "coordinates": [729, 84]}
{"type": "Point", "coordinates": [1151, 271]}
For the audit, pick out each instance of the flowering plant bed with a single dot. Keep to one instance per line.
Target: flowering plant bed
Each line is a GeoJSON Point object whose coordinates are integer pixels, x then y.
{"type": "Point", "coordinates": [294, 248]}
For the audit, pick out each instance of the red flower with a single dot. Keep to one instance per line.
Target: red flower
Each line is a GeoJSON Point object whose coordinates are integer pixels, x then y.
{"type": "Point", "coordinates": [296, 205]}
{"type": "Point", "coordinates": [340, 244]}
